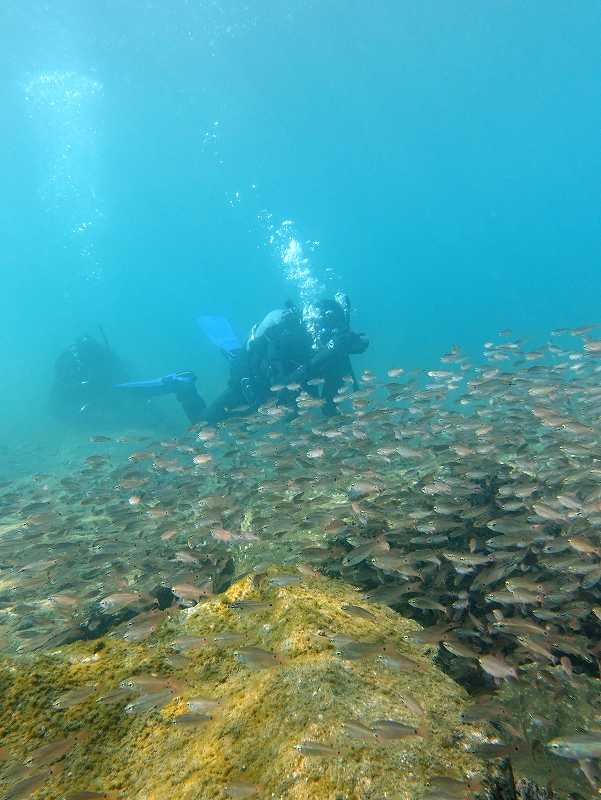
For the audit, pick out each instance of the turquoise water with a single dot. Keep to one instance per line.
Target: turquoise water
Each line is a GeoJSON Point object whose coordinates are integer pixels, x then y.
{"type": "Point", "coordinates": [440, 163]}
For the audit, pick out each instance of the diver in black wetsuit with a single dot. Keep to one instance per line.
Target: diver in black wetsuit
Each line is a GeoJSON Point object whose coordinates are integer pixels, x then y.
{"type": "Point", "coordinates": [282, 349]}
{"type": "Point", "coordinates": [334, 344]}
{"type": "Point", "coordinates": [84, 375]}
{"type": "Point", "coordinates": [277, 347]}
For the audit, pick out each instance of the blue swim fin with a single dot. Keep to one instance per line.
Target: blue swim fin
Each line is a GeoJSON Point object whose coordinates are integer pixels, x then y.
{"type": "Point", "coordinates": [157, 386]}
{"type": "Point", "coordinates": [219, 331]}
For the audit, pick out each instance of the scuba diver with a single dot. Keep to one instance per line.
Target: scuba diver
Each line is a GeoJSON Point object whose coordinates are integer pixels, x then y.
{"type": "Point", "coordinates": [282, 349]}
{"type": "Point", "coordinates": [333, 344]}
{"type": "Point", "coordinates": [84, 375]}
{"type": "Point", "coordinates": [276, 348]}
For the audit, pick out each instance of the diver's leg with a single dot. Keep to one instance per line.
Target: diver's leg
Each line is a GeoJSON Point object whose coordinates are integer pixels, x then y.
{"type": "Point", "coordinates": [333, 375]}
{"type": "Point", "coordinates": [181, 384]}
{"type": "Point", "coordinates": [221, 408]}
{"type": "Point", "coordinates": [192, 403]}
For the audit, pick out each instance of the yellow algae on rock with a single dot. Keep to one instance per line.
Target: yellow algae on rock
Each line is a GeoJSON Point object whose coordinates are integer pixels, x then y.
{"type": "Point", "coordinates": [330, 666]}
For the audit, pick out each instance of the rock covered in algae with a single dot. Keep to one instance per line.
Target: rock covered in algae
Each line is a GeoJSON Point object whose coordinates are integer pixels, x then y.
{"type": "Point", "coordinates": [278, 727]}
{"type": "Point", "coordinates": [545, 704]}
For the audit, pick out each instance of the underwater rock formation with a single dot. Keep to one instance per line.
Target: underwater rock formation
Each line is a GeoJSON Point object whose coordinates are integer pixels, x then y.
{"type": "Point", "coordinates": [500, 784]}
{"type": "Point", "coordinates": [244, 695]}
{"type": "Point", "coordinates": [547, 704]}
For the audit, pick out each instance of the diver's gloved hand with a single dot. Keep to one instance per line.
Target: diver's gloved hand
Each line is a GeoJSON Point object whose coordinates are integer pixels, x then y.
{"type": "Point", "coordinates": [360, 343]}
{"type": "Point", "coordinates": [350, 343]}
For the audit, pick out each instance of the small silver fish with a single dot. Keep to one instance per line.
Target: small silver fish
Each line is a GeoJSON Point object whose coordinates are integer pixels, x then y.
{"type": "Point", "coordinates": [315, 749]}
{"type": "Point", "coordinates": [250, 605]}
{"type": "Point", "coordinates": [191, 720]}
{"type": "Point", "coordinates": [413, 705]}
{"type": "Point", "coordinates": [578, 747]}
{"type": "Point", "coordinates": [256, 658]}
{"type": "Point", "coordinates": [357, 611]}
{"type": "Point", "coordinates": [241, 789]}
{"type": "Point", "coordinates": [49, 753]}
{"type": "Point", "coordinates": [149, 702]}
{"type": "Point", "coordinates": [427, 604]}
{"type": "Point", "coordinates": [114, 602]}
{"type": "Point", "coordinates": [185, 644]}
{"type": "Point", "coordinates": [285, 580]}
{"type": "Point", "coordinates": [497, 667]}
{"type": "Point", "coordinates": [146, 683]}
{"type": "Point", "coordinates": [202, 705]}
{"type": "Point", "coordinates": [356, 729]}
{"type": "Point", "coordinates": [114, 696]}
{"type": "Point", "coordinates": [391, 729]}
{"type": "Point", "coordinates": [459, 649]}
{"type": "Point", "coordinates": [226, 638]}
{"type": "Point", "coordinates": [27, 786]}
{"type": "Point", "coordinates": [397, 662]}
{"type": "Point", "coordinates": [451, 787]}
{"type": "Point", "coordinates": [73, 697]}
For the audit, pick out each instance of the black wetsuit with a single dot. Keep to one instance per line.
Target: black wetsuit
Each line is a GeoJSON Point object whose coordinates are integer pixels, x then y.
{"type": "Point", "coordinates": [280, 357]}
{"type": "Point", "coordinates": [84, 375]}
{"type": "Point", "coordinates": [332, 362]}
{"type": "Point", "coordinates": [263, 363]}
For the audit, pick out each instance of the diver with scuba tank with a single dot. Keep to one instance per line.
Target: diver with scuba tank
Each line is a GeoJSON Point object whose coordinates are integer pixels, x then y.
{"type": "Point", "coordinates": [310, 352]}
{"type": "Point", "coordinates": [285, 349]}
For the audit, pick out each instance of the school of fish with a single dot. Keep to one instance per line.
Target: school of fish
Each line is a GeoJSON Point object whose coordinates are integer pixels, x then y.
{"type": "Point", "coordinates": [467, 497]}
